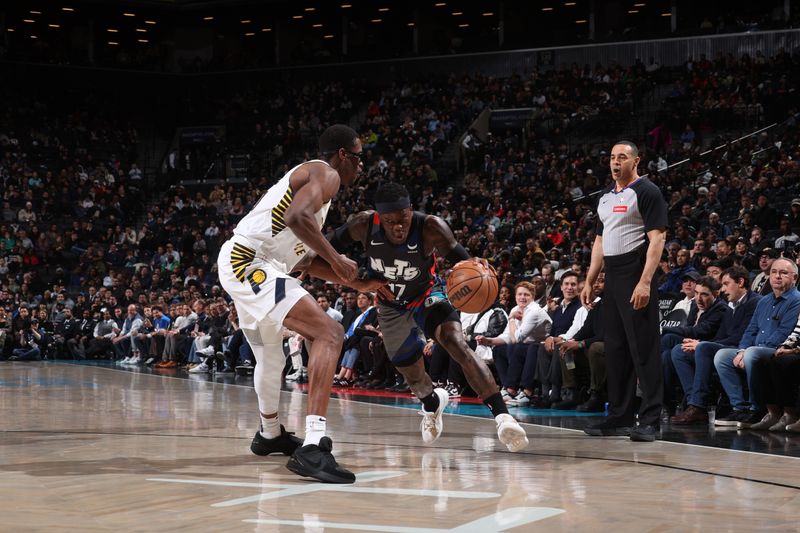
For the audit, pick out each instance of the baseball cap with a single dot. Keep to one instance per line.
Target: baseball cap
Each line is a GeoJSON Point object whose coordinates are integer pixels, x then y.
{"type": "Point", "coordinates": [692, 275]}
{"type": "Point", "coordinates": [796, 201]}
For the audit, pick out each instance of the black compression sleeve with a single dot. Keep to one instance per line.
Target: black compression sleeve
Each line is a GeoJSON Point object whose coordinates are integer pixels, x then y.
{"type": "Point", "coordinates": [458, 253]}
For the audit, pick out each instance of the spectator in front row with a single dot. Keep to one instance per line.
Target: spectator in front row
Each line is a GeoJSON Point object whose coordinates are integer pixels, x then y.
{"type": "Point", "coordinates": [122, 341]}
{"type": "Point", "coordinates": [785, 375]}
{"type": "Point", "coordinates": [30, 342]}
{"type": "Point", "coordinates": [774, 319]}
{"type": "Point", "coordinates": [527, 326]}
{"type": "Point", "coordinates": [101, 336]}
{"type": "Point", "coordinates": [706, 314]}
{"type": "Point", "coordinates": [584, 357]}
{"type": "Point", "coordinates": [548, 364]}
{"type": "Point", "coordinates": [694, 359]}
{"type": "Point", "coordinates": [77, 345]}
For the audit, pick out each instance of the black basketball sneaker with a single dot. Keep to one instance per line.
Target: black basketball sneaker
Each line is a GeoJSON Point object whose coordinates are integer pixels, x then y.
{"type": "Point", "coordinates": [285, 443]}
{"type": "Point", "coordinates": [245, 369]}
{"type": "Point", "coordinates": [318, 462]}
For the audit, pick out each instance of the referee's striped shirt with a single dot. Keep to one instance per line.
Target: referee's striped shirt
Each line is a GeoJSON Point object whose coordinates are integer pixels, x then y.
{"type": "Point", "coordinates": [625, 217]}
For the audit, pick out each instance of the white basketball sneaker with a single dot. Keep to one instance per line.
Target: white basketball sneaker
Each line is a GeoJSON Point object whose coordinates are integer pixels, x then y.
{"type": "Point", "coordinates": [511, 433]}
{"type": "Point", "coordinates": [431, 425]}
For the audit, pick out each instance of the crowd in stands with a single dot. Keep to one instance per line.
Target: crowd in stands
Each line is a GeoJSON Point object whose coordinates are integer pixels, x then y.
{"type": "Point", "coordinates": [84, 272]}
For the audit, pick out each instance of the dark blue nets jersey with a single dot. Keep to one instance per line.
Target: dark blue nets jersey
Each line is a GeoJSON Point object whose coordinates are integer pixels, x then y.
{"type": "Point", "coordinates": [410, 274]}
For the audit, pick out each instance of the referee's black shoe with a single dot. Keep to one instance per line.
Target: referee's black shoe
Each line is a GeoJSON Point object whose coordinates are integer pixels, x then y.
{"type": "Point", "coordinates": [285, 443]}
{"type": "Point", "coordinates": [317, 461]}
{"type": "Point", "coordinates": [607, 428]}
{"type": "Point", "coordinates": [645, 433]}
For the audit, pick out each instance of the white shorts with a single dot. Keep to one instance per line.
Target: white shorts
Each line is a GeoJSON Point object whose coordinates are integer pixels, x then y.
{"type": "Point", "coordinates": [262, 293]}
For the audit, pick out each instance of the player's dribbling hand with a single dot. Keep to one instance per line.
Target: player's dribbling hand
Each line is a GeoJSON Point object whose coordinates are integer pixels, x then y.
{"type": "Point", "coordinates": [345, 268]}
{"type": "Point", "coordinates": [485, 263]}
{"type": "Point", "coordinates": [640, 296]}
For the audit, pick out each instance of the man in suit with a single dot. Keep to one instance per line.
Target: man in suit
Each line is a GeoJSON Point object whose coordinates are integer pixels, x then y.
{"type": "Point", "coordinates": [694, 359]}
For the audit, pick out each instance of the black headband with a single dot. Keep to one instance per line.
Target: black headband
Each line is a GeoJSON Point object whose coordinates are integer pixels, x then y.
{"type": "Point", "coordinates": [391, 207]}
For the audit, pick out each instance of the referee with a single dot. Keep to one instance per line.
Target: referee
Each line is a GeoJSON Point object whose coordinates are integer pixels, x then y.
{"type": "Point", "coordinates": [632, 218]}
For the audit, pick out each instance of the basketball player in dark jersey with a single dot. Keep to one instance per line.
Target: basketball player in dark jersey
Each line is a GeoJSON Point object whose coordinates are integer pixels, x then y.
{"type": "Point", "coordinates": [401, 247]}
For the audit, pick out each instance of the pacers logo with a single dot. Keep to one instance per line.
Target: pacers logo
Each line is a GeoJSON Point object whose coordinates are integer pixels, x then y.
{"type": "Point", "coordinates": [258, 276]}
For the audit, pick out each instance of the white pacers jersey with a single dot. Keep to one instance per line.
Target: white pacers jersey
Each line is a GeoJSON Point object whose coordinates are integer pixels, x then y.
{"type": "Point", "coordinates": [265, 229]}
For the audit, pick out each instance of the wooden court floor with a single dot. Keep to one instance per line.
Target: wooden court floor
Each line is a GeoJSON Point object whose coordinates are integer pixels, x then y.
{"type": "Point", "coordinates": [86, 449]}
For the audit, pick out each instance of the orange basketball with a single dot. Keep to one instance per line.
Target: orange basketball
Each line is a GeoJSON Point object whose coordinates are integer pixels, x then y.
{"type": "Point", "coordinates": [471, 286]}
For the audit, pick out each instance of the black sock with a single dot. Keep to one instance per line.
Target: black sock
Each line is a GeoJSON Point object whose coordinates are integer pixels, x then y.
{"type": "Point", "coordinates": [430, 402]}
{"type": "Point", "coordinates": [496, 404]}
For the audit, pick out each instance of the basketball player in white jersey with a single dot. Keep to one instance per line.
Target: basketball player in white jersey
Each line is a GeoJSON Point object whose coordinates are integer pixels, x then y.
{"type": "Point", "coordinates": [254, 266]}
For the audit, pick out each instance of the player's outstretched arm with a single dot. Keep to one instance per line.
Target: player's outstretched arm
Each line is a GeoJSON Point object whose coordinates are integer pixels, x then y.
{"type": "Point", "coordinates": [354, 230]}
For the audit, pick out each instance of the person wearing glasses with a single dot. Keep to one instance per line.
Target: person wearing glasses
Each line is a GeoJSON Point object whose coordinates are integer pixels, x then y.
{"type": "Point", "coordinates": [773, 321]}
{"type": "Point", "coordinates": [278, 236]}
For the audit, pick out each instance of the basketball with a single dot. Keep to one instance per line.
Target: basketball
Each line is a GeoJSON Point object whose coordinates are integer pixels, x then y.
{"type": "Point", "coordinates": [472, 286]}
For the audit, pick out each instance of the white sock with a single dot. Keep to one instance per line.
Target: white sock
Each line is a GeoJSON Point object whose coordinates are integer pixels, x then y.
{"type": "Point", "coordinates": [315, 429]}
{"type": "Point", "coordinates": [270, 427]}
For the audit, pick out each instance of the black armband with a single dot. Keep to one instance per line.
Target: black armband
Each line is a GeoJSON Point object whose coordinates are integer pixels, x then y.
{"type": "Point", "coordinates": [457, 254]}
{"type": "Point", "coordinates": [340, 238]}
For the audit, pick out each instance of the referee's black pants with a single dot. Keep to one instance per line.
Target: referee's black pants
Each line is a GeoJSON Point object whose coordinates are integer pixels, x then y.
{"type": "Point", "coordinates": [631, 343]}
